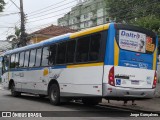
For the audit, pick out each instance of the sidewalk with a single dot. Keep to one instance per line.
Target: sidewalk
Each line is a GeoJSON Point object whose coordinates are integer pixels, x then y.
{"type": "Point", "coordinates": [144, 105]}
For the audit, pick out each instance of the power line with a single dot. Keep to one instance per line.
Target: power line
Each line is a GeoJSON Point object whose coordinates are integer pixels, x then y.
{"type": "Point", "coordinates": [15, 4]}
{"type": "Point", "coordinates": [46, 18]}
{"type": "Point", "coordinates": [47, 7]}
{"type": "Point", "coordinates": [51, 12]}
{"type": "Point", "coordinates": [2, 15]}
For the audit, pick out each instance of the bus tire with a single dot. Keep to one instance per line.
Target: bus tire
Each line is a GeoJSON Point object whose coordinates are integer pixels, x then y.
{"type": "Point", "coordinates": [91, 101]}
{"type": "Point", "coordinates": [54, 94]}
{"type": "Point", "coordinates": [13, 92]}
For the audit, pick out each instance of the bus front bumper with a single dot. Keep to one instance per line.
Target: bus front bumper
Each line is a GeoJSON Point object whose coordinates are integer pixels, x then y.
{"type": "Point", "coordinates": [112, 92]}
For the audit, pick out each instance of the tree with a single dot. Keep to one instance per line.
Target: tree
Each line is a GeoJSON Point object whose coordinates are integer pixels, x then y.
{"type": "Point", "coordinates": [128, 10]}
{"type": "Point", "coordinates": [15, 39]}
{"type": "Point", "coordinates": [2, 3]}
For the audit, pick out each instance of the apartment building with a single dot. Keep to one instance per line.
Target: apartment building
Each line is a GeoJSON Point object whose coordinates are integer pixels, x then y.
{"type": "Point", "coordinates": [86, 14]}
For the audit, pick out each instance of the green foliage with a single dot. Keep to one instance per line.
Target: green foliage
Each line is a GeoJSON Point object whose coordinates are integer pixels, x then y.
{"type": "Point", "coordinates": [128, 10]}
{"type": "Point", "coordinates": [14, 39]}
{"type": "Point", "coordinates": [2, 3]}
{"type": "Point", "coordinates": [151, 22]}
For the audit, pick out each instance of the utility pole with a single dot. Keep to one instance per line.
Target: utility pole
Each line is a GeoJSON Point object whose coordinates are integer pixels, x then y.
{"type": "Point", "coordinates": [23, 34]}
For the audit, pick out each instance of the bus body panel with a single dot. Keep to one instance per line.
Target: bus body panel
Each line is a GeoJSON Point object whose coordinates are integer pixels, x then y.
{"type": "Point", "coordinates": [80, 83]}
{"type": "Point", "coordinates": [78, 79]}
{"type": "Point", "coordinates": [120, 93]}
{"type": "Point", "coordinates": [133, 77]}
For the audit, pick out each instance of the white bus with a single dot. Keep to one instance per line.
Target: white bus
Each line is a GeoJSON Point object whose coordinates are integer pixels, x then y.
{"type": "Point", "coordinates": [112, 61]}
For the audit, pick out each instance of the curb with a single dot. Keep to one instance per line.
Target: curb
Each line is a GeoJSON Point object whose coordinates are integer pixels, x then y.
{"type": "Point", "coordinates": [132, 109]}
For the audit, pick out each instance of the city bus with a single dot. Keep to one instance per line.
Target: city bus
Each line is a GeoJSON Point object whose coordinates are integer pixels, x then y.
{"type": "Point", "coordinates": [111, 61]}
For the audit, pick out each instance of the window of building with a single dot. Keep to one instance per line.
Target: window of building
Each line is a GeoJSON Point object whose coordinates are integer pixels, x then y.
{"type": "Point", "coordinates": [45, 56]}
{"type": "Point", "coordinates": [61, 52]}
{"type": "Point", "coordinates": [32, 58]}
{"type": "Point", "coordinates": [52, 54]}
{"type": "Point", "coordinates": [82, 49]}
{"type": "Point", "coordinates": [21, 60]}
{"type": "Point", "coordinates": [17, 60]}
{"type": "Point", "coordinates": [26, 61]}
{"type": "Point", "coordinates": [12, 65]}
{"type": "Point", "coordinates": [38, 57]}
{"type": "Point", "coordinates": [86, 24]}
{"type": "Point", "coordinates": [70, 51]}
{"type": "Point", "coordinates": [95, 47]}
{"type": "Point", "coordinates": [85, 16]}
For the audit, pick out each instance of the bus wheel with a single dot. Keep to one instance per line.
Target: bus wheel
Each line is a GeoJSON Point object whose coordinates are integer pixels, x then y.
{"type": "Point", "coordinates": [13, 92]}
{"type": "Point", "coordinates": [91, 101]}
{"type": "Point", "coordinates": [54, 94]}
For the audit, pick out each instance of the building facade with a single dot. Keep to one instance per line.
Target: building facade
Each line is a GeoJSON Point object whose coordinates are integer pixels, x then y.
{"type": "Point", "coordinates": [48, 32]}
{"type": "Point", "coordinates": [86, 14]}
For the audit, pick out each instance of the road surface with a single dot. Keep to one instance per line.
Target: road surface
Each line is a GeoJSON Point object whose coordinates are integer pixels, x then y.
{"type": "Point", "coordinates": [70, 111]}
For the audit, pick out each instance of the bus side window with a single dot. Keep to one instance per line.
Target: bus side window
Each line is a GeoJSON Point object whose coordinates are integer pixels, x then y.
{"type": "Point", "coordinates": [17, 60]}
{"type": "Point", "coordinates": [61, 52]}
{"type": "Point", "coordinates": [6, 63]}
{"type": "Point", "coordinates": [52, 55]}
{"type": "Point", "coordinates": [32, 58]}
{"type": "Point", "coordinates": [95, 47]}
{"type": "Point", "coordinates": [12, 64]}
{"type": "Point", "coordinates": [21, 59]}
{"type": "Point", "coordinates": [26, 59]}
{"type": "Point", "coordinates": [38, 57]}
{"type": "Point", "coordinates": [82, 49]}
{"type": "Point", "coordinates": [71, 45]}
{"type": "Point", "coordinates": [45, 56]}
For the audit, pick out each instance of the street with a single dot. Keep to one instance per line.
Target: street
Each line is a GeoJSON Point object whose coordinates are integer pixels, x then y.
{"type": "Point", "coordinates": [71, 110]}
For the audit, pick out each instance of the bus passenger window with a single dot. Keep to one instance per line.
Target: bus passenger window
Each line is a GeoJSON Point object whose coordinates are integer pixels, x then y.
{"type": "Point", "coordinates": [45, 56]}
{"type": "Point", "coordinates": [52, 54]}
{"type": "Point", "coordinates": [70, 51]}
{"type": "Point", "coordinates": [61, 53]}
{"type": "Point", "coordinates": [26, 59]}
{"type": "Point", "coordinates": [94, 47]}
{"type": "Point", "coordinates": [6, 63]}
{"type": "Point", "coordinates": [38, 57]}
{"type": "Point", "coordinates": [82, 49]}
{"type": "Point", "coordinates": [17, 60]}
{"type": "Point", "coordinates": [12, 65]}
{"type": "Point", "coordinates": [32, 58]}
{"type": "Point", "coordinates": [21, 60]}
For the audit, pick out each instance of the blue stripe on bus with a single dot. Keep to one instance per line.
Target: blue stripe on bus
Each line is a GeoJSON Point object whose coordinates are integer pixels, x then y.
{"type": "Point", "coordinates": [38, 68]}
{"type": "Point", "coordinates": [109, 59]}
{"type": "Point", "coordinates": [134, 59]}
{"type": "Point", "coordinates": [58, 67]}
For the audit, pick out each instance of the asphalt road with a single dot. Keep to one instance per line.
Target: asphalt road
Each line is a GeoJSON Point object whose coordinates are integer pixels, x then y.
{"type": "Point", "coordinates": [30, 103]}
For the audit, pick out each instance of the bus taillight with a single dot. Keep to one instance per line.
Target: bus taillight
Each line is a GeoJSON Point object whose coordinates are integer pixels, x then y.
{"type": "Point", "coordinates": [111, 77]}
{"type": "Point", "coordinates": [155, 80]}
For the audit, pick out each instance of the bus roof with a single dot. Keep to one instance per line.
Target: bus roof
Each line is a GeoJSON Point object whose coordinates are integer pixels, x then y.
{"type": "Point", "coordinates": [60, 38]}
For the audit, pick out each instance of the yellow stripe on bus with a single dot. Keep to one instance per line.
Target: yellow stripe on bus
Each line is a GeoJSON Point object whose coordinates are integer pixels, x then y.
{"type": "Point", "coordinates": [89, 31]}
{"type": "Point", "coordinates": [116, 53]}
{"type": "Point", "coordinates": [154, 59]}
{"type": "Point", "coordinates": [86, 65]}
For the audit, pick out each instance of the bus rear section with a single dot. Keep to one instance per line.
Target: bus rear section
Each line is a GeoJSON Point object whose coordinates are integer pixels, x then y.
{"type": "Point", "coordinates": [133, 73]}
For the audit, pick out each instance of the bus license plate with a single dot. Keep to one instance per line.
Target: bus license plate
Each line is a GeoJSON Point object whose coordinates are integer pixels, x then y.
{"type": "Point", "coordinates": [134, 82]}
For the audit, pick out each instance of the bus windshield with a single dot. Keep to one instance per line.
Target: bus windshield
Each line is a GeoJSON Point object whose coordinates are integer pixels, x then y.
{"type": "Point", "coordinates": [136, 41]}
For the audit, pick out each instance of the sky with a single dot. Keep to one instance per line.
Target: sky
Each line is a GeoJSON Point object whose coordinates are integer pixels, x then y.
{"type": "Point", "coordinates": [39, 14]}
